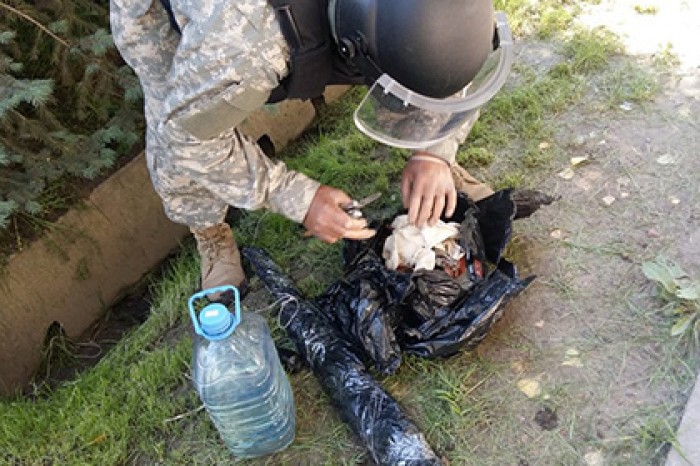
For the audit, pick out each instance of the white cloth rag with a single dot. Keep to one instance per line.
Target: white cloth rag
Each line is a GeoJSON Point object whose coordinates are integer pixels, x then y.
{"type": "Point", "coordinates": [412, 247]}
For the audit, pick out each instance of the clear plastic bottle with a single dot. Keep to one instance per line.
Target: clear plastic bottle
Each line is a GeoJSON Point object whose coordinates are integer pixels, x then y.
{"type": "Point", "coordinates": [239, 378]}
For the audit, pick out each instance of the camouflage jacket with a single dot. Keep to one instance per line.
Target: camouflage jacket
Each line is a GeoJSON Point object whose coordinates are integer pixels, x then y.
{"type": "Point", "coordinates": [198, 87]}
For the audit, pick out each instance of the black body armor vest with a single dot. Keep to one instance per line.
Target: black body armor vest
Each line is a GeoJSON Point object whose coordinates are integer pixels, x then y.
{"type": "Point", "coordinates": [314, 60]}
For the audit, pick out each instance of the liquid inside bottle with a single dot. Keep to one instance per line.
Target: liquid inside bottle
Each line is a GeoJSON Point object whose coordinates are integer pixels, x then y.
{"type": "Point", "coordinates": [243, 385]}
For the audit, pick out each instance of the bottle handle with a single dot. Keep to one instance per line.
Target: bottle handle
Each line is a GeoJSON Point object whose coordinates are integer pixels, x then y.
{"type": "Point", "coordinates": [203, 294]}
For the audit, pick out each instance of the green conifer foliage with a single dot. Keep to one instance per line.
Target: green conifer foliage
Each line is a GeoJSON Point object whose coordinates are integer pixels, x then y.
{"type": "Point", "coordinates": [69, 107]}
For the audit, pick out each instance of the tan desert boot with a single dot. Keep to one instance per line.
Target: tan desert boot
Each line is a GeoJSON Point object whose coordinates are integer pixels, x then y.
{"type": "Point", "coordinates": [469, 185]}
{"type": "Point", "coordinates": [220, 259]}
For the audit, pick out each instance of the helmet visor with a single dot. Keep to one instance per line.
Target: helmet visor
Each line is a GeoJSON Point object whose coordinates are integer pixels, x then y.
{"type": "Point", "coordinates": [394, 115]}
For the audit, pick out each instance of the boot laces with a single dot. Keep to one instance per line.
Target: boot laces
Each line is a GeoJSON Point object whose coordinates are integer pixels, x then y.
{"type": "Point", "coordinates": [214, 243]}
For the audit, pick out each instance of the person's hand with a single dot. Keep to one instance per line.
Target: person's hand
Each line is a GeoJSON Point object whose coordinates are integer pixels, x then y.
{"type": "Point", "coordinates": [427, 189]}
{"type": "Point", "coordinates": [327, 221]}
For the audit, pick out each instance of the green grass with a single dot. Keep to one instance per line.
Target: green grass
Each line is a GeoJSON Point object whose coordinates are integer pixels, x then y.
{"type": "Point", "coordinates": [92, 420]}
{"type": "Point", "coordinates": [137, 405]}
{"type": "Point", "coordinates": [680, 294]}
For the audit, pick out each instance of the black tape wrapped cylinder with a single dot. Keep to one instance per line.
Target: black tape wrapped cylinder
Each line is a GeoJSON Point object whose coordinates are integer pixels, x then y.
{"type": "Point", "coordinates": [389, 435]}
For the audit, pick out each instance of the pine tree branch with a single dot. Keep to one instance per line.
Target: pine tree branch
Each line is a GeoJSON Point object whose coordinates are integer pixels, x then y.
{"type": "Point", "coordinates": [12, 181]}
{"type": "Point", "coordinates": [35, 22]}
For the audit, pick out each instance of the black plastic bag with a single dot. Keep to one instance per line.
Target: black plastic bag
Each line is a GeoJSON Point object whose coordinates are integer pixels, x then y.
{"type": "Point", "coordinates": [427, 312]}
{"type": "Point", "coordinates": [362, 304]}
{"type": "Point", "coordinates": [466, 323]}
{"type": "Point", "coordinates": [391, 438]}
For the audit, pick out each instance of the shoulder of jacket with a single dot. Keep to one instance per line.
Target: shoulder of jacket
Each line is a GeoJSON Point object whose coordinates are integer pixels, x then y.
{"type": "Point", "coordinates": [134, 8]}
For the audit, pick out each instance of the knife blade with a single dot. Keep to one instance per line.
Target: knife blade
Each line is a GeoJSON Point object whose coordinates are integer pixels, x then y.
{"type": "Point", "coordinates": [354, 208]}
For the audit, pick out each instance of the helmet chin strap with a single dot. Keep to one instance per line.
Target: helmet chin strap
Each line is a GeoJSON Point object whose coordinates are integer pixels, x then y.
{"type": "Point", "coordinates": [496, 41]}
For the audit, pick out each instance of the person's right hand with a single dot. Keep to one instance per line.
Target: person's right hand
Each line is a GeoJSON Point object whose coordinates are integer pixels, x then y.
{"type": "Point", "coordinates": [327, 221]}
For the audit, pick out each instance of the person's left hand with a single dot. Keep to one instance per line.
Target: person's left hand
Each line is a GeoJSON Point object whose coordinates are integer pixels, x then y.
{"type": "Point", "coordinates": [427, 189]}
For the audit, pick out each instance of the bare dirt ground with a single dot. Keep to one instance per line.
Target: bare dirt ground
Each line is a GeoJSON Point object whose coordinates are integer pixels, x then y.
{"type": "Point", "coordinates": [588, 336]}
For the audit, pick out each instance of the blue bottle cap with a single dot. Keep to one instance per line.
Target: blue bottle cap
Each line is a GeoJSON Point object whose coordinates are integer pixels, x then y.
{"type": "Point", "coordinates": [216, 321]}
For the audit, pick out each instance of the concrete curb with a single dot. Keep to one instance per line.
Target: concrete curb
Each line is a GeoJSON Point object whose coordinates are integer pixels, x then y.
{"type": "Point", "coordinates": [688, 435]}
{"type": "Point", "coordinates": [93, 254]}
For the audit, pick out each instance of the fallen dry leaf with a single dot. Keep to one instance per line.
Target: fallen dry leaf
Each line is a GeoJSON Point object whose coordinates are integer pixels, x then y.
{"type": "Point", "coordinates": [572, 358]}
{"type": "Point", "coordinates": [666, 159]}
{"type": "Point", "coordinates": [567, 173]}
{"type": "Point", "coordinates": [530, 387]}
{"type": "Point", "coordinates": [99, 439]}
{"type": "Point", "coordinates": [608, 200]}
{"type": "Point", "coordinates": [578, 160]}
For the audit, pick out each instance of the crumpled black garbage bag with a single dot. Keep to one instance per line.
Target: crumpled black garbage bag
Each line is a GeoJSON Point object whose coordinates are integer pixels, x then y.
{"type": "Point", "coordinates": [357, 304]}
{"type": "Point", "coordinates": [427, 312]}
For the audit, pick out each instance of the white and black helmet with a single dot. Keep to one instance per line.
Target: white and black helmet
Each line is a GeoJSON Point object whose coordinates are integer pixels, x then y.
{"type": "Point", "coordinates": [431, 64]}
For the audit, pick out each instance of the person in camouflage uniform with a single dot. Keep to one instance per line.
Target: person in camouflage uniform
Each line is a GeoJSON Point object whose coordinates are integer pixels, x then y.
{"type": "Point", "coordinates": [199, 86]}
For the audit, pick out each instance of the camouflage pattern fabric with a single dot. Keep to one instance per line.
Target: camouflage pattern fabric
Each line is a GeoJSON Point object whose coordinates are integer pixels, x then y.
{"type": "Point", "coordinates": [447, 149]}
{"type": "Point", "coordinates": [197, 88]}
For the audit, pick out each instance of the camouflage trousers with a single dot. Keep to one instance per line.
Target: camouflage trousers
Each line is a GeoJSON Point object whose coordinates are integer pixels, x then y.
{"type": "Point", "coordinates": [197, 88]}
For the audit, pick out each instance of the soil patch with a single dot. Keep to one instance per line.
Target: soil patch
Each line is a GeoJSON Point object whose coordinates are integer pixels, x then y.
{"type": "Point", "coordinates": [65, 358]}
